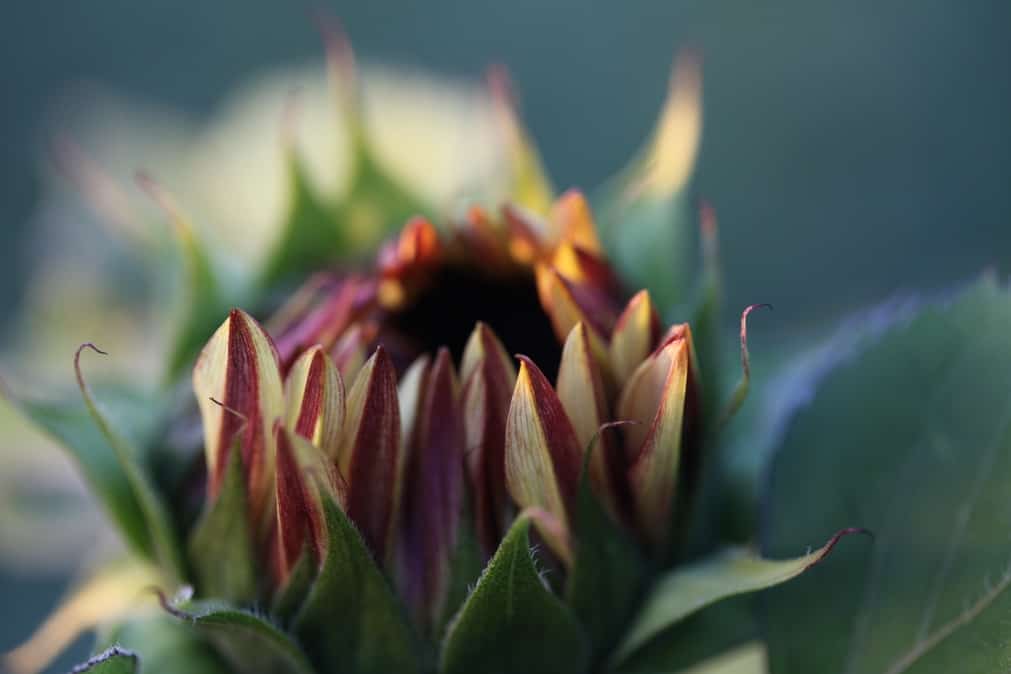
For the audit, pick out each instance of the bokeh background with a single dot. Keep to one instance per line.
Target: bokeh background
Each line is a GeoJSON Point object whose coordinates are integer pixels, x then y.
{"type": "Point", "coordinates": [853, 149]}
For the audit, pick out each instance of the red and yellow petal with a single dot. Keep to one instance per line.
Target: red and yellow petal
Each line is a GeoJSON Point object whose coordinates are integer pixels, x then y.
{"type": "Point", "coordinates": [238, 388]}
{"type": "Point", "coordinates": [433, 491]}
{"type": "Point", "coordinates": [583, 396]}
{"type": "Point", "coordinates": [488, 381]}
{"type": "Point", "coordinates": [370, 456]}
{"type": "Point", "coordinates": [635, 336]}
{"type": "Point", "coordinates": [314, 396]}
{"type": "Point", "coordinates": [655, 397]}
{"type": "Point", "coordinates": [543, 458]}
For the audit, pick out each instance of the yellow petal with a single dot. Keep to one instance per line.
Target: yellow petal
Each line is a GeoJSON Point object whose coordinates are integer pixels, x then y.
{"type": "Point", "coordinates": [671, 155]}
{"type": "Point", "coordinates": [582, 394]}
{"type": "Point", "coordinates": [542, 455]}
{"type": "Point", "coordinates": [238, 387]}
{"type": "Point", "coordinates": [571, 216]}
{"type": "Point", "coordinates": [634, 337]}
{"type": "Point", "coordinates": [314, 395]}
{"type": "Point", "coordinates": [655, 397]}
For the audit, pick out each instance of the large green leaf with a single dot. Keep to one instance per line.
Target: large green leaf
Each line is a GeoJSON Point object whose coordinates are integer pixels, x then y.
{"type": "Point", "coordinates": [114, 660]}
{"type": "Point", "coordinates": [511, 623]}
{"type": "Point", "coordinates": [910, 438]}
{"type": "Point", "coordinates": [351, 621]}
{"type": "Point", "coordinates": [221, 546]}
{"type": "Point", "coordinates": [685, 590]}
{"type": "Point", "coordinates": [246, 640]}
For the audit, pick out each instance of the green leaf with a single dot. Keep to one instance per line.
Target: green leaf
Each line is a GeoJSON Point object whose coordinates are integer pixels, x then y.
{"type": "Point", "coordinates": [246, 640]}
{"type": "Point", "coordinates": [221, 546]}
{"type": "Point", "coordinates": [607, 577]}
{"type": "Point", "coordinates": [164, 543]}
{"type": "Point", "coordinates": [202, 301]}
{"type": "Point", "coordinates": [310, 237]}
{"type": "Point", "coordinates": [112, 661]}
{"type": "Point", "coordinates": [511, 623]}
{"type": "Point", "coordinates": [748, 659]}
{"type": "Point", "coordinates": [164, 645]}
{"type": "Point", "coordinates": [653, 244]}
{"type": "Point", "coordinates": [712, 631]}
{"type": "Point", "coordinates": [69, 424]}
{"type": "Point", "coordinates": [351, 621]}
{"type": "Point", "coordinates": [685, 590]}
{"type": "Point", "coordinates": [465, 566]}
{"type": "Point", "coordinates": [289, 597]}
{"type": "Point", "coordinates": [912, 438]}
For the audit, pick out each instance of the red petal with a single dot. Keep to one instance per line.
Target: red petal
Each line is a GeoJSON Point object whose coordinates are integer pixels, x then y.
{"type": "Point", "coordinates": [370, 456]}
{"type": "Point", "coordinates": [433, 492]}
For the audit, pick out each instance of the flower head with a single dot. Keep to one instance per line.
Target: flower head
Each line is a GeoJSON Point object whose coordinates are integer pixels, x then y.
{"type": "Point", "coordinates": [394, 388]}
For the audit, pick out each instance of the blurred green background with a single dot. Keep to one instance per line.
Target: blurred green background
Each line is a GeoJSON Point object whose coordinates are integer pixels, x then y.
{"type": "Point", "coordinates": [852, 149]}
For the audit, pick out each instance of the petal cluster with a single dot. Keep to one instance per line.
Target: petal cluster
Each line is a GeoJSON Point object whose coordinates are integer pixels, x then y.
{"type": "Point", "coordinates": [415, 446]}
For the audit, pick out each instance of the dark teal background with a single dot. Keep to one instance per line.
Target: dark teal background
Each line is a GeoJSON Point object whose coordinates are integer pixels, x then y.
{"type": "Point", "coordinates": [852, 149]}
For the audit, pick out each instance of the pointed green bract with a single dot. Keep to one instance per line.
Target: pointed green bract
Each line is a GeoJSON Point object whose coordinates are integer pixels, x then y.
{"type": "Point", "coordinates": [687, 589]}
{"type": "Point", "coordinates": [221, 548]}
{"type": "Point", "coordinates": [351, 621]}
{"type": "Point", "coordinates": [607, 578]}
{"type": "Point", "coordinates": [310, 236]}
{"type": "Point", "coordinates": [512, 623]}
{"type": "Point", "coordinates": [912, 435]}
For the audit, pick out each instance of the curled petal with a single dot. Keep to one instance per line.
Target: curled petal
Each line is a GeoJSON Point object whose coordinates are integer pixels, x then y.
{"type": "Point", "coordinates": [489, 378]}
{"type": "Point", "coordinates": [370, 456]}
{"type": "Point", "coordinates": [582, 394]}
{"type": "Point", "coordinates": [238, 387]}
{"type": "Point", "coordinates": [543, 458]}
{"type": "Point", "coordinates": [314, 393]}
{"type": "Point", "coordinates": [655, 396]}
{"type": "Point", "coordinates": [433, 492]}
{"type": "Point", "coordinates": [635, 335]}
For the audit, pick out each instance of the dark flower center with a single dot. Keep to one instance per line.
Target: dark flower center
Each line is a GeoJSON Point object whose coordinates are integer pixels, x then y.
{"type": "Point", "coordinates": [457, 297]}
